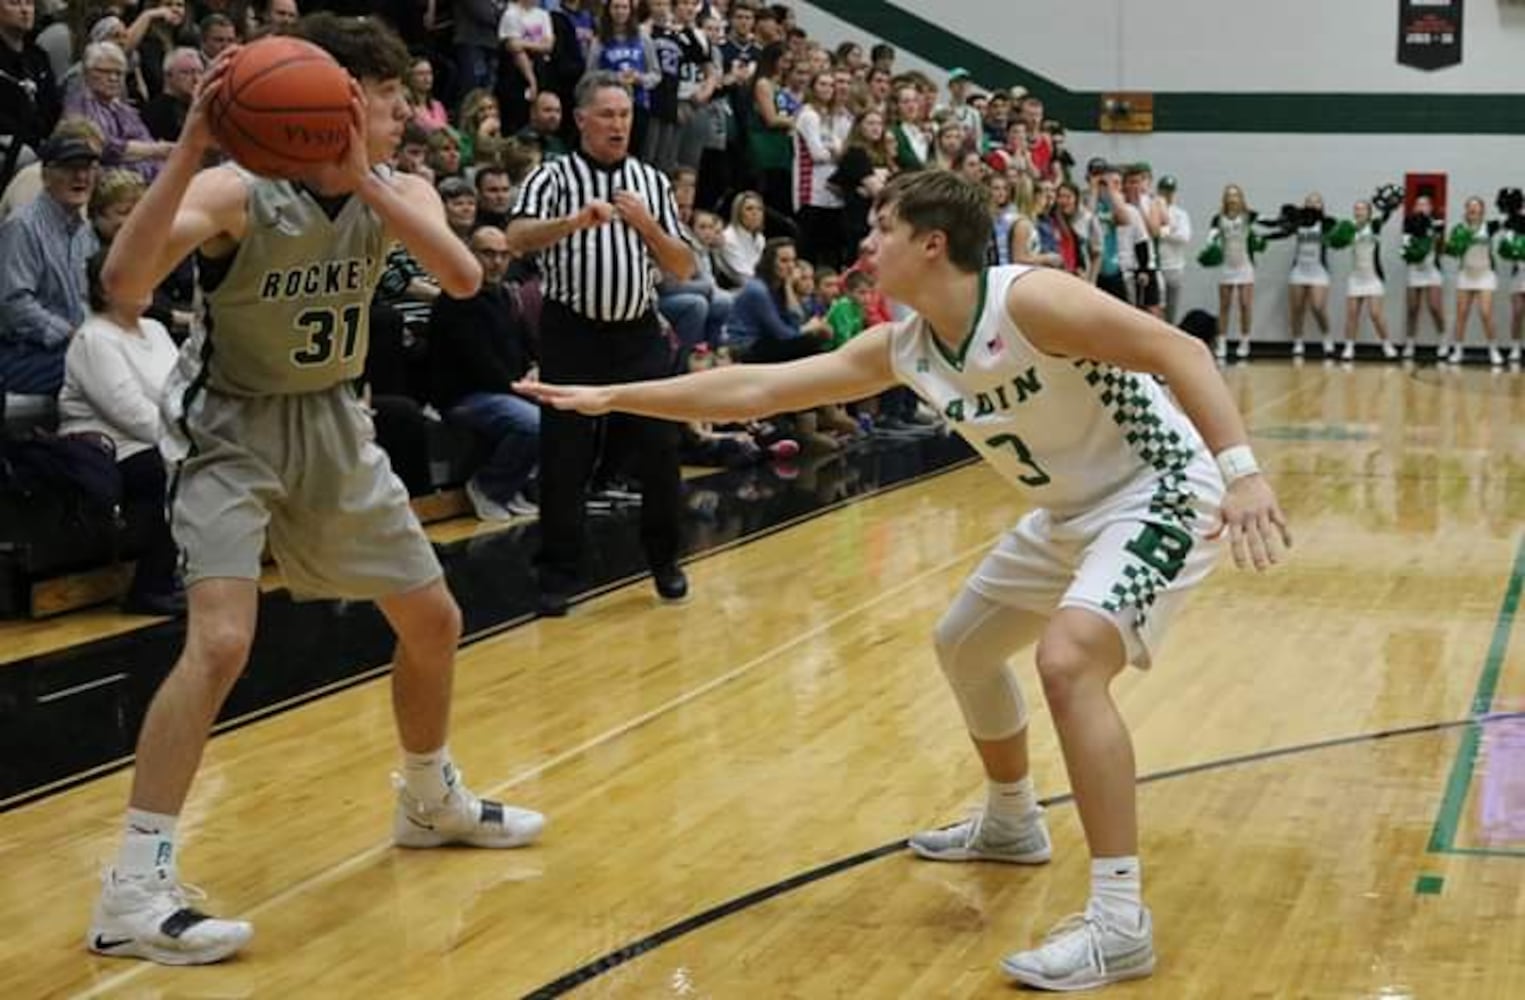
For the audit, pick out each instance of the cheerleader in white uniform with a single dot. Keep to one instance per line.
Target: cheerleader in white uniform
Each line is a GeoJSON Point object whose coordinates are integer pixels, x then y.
{"type": "Point", "coordinates": [1232, 244]}
{"type": "Point", "coordinates": [1471, 242]}
{"type": "Point", "coordinates": [1511, 203]}
{"type": "Point", "coordinates": [1308, 283]}
{"type": "Point", "coordinates": [1423, 235]}
{"type": "Point", "coordinates": [1364, 287]}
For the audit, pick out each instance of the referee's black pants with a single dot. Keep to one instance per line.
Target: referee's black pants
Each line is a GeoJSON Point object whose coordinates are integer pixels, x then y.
{"type": "Point", "coordinates": [575, 349]}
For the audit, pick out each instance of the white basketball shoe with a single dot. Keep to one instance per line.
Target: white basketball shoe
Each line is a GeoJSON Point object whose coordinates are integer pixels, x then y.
{"type": "Point", "coordinates": [1082, 953]}
{"type": "Point", "coordinates": [461, 818]}
{"type": "Point", "coordinates": [152, 917]}
{"type": "Point", "coordinates": [978, 839]}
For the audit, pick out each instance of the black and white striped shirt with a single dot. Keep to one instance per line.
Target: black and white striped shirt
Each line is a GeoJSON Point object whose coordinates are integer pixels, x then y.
{"type": "Point", "coordinates": [606, 273]}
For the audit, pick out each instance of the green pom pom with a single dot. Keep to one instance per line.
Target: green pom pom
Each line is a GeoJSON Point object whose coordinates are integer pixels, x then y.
{"type": "Point", "coordinates": [1461, 239]}
{"type": "Point", "coordinates": [1512, 248]}
{"type": "Point", "coordinates": [1257, 243]}
{"type": "Point", "coordinates": [1342, 235]}
{"type": "Point", "coordinates": [1417, 249]}
{"type": "Point", "coordinates": [1211, 255]}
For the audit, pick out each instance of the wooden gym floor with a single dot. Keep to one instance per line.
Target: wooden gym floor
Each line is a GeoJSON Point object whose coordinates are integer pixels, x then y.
{"type": "Point", "coordinates": [1333, 800]}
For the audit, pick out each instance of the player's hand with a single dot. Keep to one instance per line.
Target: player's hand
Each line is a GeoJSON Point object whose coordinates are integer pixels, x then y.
{"type": "Point", "coordinates": [196, 133]}
{"type": "Point", "coordinates": [595, 213]}
{"type": "Point", "coordinates": [632, 208]}
{"type": "Point", "coordinates": [350, 170]}
{"type": "Point", "coordinates": [590, 400]}
{"type": "Point", "coordinates": [1257, 529]}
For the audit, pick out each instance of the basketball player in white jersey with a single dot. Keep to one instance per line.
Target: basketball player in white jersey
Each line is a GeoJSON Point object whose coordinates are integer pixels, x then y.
{"type": "Point", "coordinates": [271, 445]}
{"type": "Point", "coordinates": [1037, 371]}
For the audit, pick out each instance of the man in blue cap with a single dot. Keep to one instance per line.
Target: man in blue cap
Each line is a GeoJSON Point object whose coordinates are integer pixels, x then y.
{"type": "Point", "coordinates": [44, 247]}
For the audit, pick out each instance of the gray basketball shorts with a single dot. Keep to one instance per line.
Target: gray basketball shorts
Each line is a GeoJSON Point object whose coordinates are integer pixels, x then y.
{"type": "Point", "coordinates": [304, 472]}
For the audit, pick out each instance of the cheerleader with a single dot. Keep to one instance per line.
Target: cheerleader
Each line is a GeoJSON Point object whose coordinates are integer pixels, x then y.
{"type": "Point", "coordinates": [1308, 282]}
{"type": "Point", "coordinates": [1423, 236]}
{"type": "Point", "coordinates": [1232, 243]}
{"type": "Point", "coordinates": [1364, 288]}
{"type": "Point", "coordinates": [1511, 204]}
{"type": "Point", "coordinates": [1471, 243]}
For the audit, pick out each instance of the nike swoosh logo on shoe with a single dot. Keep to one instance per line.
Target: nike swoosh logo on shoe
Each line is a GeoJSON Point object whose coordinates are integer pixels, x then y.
{"type": "Point", "coordinates": [101, 943]}
{"type": "Point", "coordinates": [419, 823]}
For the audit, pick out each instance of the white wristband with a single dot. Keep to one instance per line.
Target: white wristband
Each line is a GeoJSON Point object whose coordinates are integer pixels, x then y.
{"type": "Point", "coordinates": [1237, 462]}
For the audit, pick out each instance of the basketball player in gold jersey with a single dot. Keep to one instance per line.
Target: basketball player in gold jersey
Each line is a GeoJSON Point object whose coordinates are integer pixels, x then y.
{"type": "Point", "coordinates": [271, 444]}
{"type": "Point", "coordinates": [1136, 496]}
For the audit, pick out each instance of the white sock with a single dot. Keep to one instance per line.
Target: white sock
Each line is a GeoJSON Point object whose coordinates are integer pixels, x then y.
{"type": "Point", "coordinates": [428, 777]}
{"type": "Point", "coordinates": [148, 845]}
{"type": "Point", "coordinates": [1117, 892]}
{"type": "Point", "coordinates": [1010, 803]}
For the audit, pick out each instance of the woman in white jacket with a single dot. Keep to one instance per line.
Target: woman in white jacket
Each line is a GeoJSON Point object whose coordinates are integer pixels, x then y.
{"type": "Point", "coordinates": [114, 376]}
{"type": "Point", "coordinates": [820, 137]}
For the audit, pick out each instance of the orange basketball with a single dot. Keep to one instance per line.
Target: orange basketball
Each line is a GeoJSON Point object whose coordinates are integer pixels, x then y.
{"type": "Point", "coordinates": [283, 107]}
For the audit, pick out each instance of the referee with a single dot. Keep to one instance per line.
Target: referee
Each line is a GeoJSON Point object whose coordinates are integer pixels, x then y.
{"type": "Point", "coordinates": [604, 225]}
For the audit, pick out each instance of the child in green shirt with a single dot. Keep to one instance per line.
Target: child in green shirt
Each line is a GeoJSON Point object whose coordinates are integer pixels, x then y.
{"type": "Point", "coordinates": [848, 314]}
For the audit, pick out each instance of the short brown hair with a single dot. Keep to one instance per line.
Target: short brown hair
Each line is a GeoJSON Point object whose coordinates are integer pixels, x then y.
{"type": "Point", "coordinates": [928, 200]}
{"type": "Point", "coordinates": [368, 48]}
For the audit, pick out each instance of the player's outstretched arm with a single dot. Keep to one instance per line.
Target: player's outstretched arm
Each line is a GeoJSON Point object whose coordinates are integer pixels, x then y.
{"type": "Point", "coordinates": [738, 392]}
{"type": "Point", "coordinates": [1063, 317]}
{"type": "Point", "coordinates": [183, 208]}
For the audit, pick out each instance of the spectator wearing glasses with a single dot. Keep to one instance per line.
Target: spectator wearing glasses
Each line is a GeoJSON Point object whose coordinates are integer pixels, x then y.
{"type": "Point", "coordinates": [165, 115]}
{"type": "Point", "coordinates": [479, 348]}
{"type": "Point", "coordinates": [128, 142]}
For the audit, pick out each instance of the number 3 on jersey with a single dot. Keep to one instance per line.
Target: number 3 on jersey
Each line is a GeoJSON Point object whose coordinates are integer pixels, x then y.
{"type": "Point", "coordinates": [317, 327]}
{"type": "Point", "coordinates": [1035, 478]}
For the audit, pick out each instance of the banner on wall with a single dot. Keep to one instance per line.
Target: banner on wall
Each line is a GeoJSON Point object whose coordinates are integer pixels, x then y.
{"type": "Point", "coordinates": [1429, 33]}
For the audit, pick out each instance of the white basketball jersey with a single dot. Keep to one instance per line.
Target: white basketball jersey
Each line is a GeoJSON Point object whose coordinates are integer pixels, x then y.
{"type": "Point", "coordinates": [1074, 434]}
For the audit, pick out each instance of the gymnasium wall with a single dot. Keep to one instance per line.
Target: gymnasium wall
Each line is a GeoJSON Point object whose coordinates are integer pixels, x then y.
{"type": "Point", "coordinates": [1280, 98]}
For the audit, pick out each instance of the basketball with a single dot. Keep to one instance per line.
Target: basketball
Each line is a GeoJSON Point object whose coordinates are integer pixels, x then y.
{"type": "Point", "coordinates": [284, 107]}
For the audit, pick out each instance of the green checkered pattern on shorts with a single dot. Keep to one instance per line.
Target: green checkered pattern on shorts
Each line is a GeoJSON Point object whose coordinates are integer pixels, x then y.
{"type": "Point", "coordinates": [1163, 449]}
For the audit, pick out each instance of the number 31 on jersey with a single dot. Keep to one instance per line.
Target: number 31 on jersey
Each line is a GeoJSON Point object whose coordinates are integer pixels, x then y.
{"type": "Point", "coordinates": [318, 327]}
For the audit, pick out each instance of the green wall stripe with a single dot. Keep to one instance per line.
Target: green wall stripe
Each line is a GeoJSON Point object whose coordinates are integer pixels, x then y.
{"type": "Point", "coordinates": [1191, 111]}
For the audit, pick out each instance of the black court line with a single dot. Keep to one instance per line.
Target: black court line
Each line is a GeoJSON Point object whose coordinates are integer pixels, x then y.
{"type": "Point", "coordinates": [369, 674]}
{"type": "Point", "coordinates": [628, 953]}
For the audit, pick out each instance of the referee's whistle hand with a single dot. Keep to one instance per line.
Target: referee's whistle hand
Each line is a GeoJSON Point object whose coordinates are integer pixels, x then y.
{"type": "Point", "coordinates": [632, 208]}
{"type": "Point", "coordinates": [594, 213]}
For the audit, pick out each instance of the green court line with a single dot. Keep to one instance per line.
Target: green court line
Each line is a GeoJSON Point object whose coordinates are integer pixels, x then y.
{"type": "Point", "coordinates": [1429, 885]}
{"type": "Point", "coordinates": [1443, 837]}
{"type": "Point", "coordinates": [1487, 852]}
